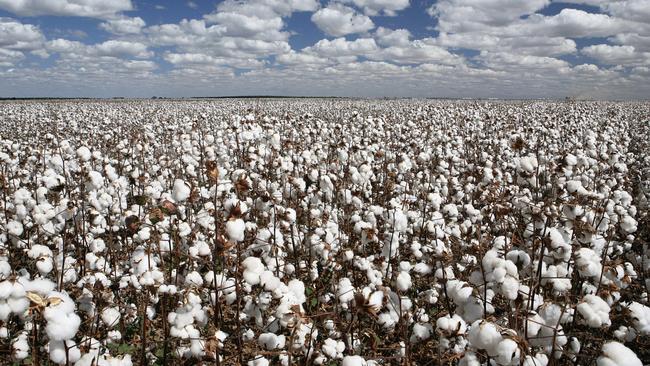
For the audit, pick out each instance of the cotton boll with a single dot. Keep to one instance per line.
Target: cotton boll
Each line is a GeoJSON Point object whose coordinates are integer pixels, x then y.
{"type": "Point", "coordinates": [271, 341]}
{"type": "Point", "coordinates": [588, 263]}
{"type": "Point", "coordinates": [111, 316]}
{"type": "Point", "coordinates": [421, 332]}
{"type": "Point", "coordinates": [353, 361]}
{"type": "Point", "coordinates": [181, 190]}
{"type": "Point", "coordinates": [333, 349]}
{"type": "Point", "coordinates": [640, 317]}
{"type": "Point", "coordinates": [59, 355]}
{"type": "Point", "coordinates": [595, 311]}
{"type": "Point", "coordinates": [83, 153]}
{"type": "Point", "coordinates": [403, 281]}
{"type": "Point", "coordinates": [508, 352]}
{"type": "Point", "coordinates": [469, 359]}
{"type": "Point", "coordinates": [510, 288]}
{"type": "Point", "coordinates": [345, 291]}
{"type": "Point", "coordinates": [451, 326]}
{"type": "Point", "coordinates": [539, 359]}
{"type": "Point", "coordinates": [20, 346]}
{"type": "Point", "coordinates": [616, 354]}
{"type": "Point", "coordinates": [235, 230]}
{"type": "Point", "coordinates": [484, 335]}
{"type": "Point", "coordinates": [259, 361]}
{"type": "Point", "coordinates": [15, 228]}
{"type": "Point", "coordinates": [628, 224]}
{"type": "Point", "coordinates": [253, 268]}
{"type": "Point", "coordinates": [194, 279]}
{"type": "Point", "coordinates": [62, 322]}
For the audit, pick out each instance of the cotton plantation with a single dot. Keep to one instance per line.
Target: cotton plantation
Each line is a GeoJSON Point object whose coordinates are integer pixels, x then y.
{"type": "Point", "coordinates": [324, 232]}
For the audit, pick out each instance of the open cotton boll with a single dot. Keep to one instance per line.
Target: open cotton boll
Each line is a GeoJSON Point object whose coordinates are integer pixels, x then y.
{"type": "Point", "coordinates": [399, 221]}
{"type": "Point", "coordinates": [20, 346]}
{"type": "Point", "coordinates": [588, 263]}
{"type": "Point", "coordinates": [83, 153]}
{"type": "Point", "coordinates": [62, 322]}
{"type": "Point", "coordinates": [616, 354]}
{"type": "Point", "coordinates": [454, 325]}
{"type": "Point", "coordinates": [484, 335]}
{"type": "Point", "coordinates": [15, 228]}
{"type": "Point", "coordinates": [333, 349]}
{"type": "Point", "coordinates": [345, 290]}
{"type": "Point", "coordinates": [64, 352]}
{"type": "Point", "coordinates": [111, 316]}
{"type": "Point", "coordinates": [236, 230]}
{"type": "Point", "coordinates": [181, 191]}
{"type": "Point", "coordinates": [421, 332]}
{"type": "Point", "coordinates": [594, 310]}
{"type": "Point", "coordinates": [640, 317]}
{"type": "Point", "coordinates": [354, 361]}
{"type": "Point", "coordinates": [507, 352]}
{"type": "Point", "coordinates": [253, 269]}
{"type": "Point", "coordinates": [403, 281]}
{"type": "Point", "coordinates": [575, 186]}
{"type": "Point", "coordinates": [527, 163]}
{"type": "Point", "coordinates": [539, 359]}
{"type": "Point", "coordinates": [628, 224]}
{"type": "Point", "coordinates": [259, 361]}
{"type": "Point", "coordinates": [194, 279]}
{"type": "Point", "coordinates": [271, 341]}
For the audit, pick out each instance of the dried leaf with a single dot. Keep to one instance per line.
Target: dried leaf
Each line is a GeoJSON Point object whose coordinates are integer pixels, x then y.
{"type": "Point", "coordinates": [54, 301]}
{"type": "Point", "coordinates": [35, 298]}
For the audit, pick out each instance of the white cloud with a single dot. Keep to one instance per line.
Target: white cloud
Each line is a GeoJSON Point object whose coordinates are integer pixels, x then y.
{"type": "Point", "coordinates": [531, 45]}
{"type": "Point", "coordinates": [18, 36]}
{"type": "Point", "coordinates": [82, 8]}
{"type": "Point", "coordinates": [338, 20]}
{"type": "Point", "coordinates": [9, 57]}
{"type": "Point", "coordinates": [511, 61]}
{"type": "Point", "coordinates": [301, 59]}
{"type": "Point", "coordinates": [249, 26]}
{"type": "Point", "coordinates": [122, 48]}
{"type": "Point", "coordinates": [475, 15]}
{"type": "Point", "coordinates": [390, 37]}
{"type": "Point", "coordinates": [192, 4]}
{"type": "Point", "coordinates": [123, 26]}
{"type": "Point", "coordinates": [341, 47]}
{"type": "Point", "coordinates": [140, 65]}
{"type": "Point", "coordinates": [111, 48]}
{"type": "Point", "coordinates": [198, 60]}
{"type": "Point", "coordinates": [572, 23]}
{"type": "Point", "coordinates": [417, 51]}
{"type": "Point", "coordinates": [640, 42]}
{"type": "Point", "coordinates": [637, 10]}
{"type": "Point", "coordinates": [257, 19]}
{"type": "Point", "coordinates": [376, 7]}
{"type": "Point", "coordinates": [616, 55]}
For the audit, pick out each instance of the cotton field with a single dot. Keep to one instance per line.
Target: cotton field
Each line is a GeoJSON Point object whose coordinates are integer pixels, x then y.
{"type": "Point", "coordinates": [324, 232]}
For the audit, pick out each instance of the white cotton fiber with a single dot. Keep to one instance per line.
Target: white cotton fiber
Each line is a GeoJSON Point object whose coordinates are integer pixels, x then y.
{"type": "Point", "coordinates": [616, 354]}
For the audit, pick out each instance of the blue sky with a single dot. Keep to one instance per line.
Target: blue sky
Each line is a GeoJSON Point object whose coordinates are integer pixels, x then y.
{"type": "Point", "coordinates": [412, 48]}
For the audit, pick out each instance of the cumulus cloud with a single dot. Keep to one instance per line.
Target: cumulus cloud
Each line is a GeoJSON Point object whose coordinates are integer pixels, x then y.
{"type": "Point", "coordinates": [342, 47]}
{"type": "Point", "coordinates": [15, 35]}
{"type": "Point", "coordinates": [9, 57]}
{"type": "Point", "coordinates": [377, 7]}
{"type": "Point", "coordinates": [338, 20]}
{"type": "Point", "coordinates": [111, 48]}
{"type": "Point", "coordinates": [616, 55]}
{"type": "Point", "coordinates": [123, 26]}
{"type": "Point", "coordinates": [499, 47]}
{"type": "Point", "coordinates": [81, 8]}
{"type": "Point", "coordinates": [392, 37]}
